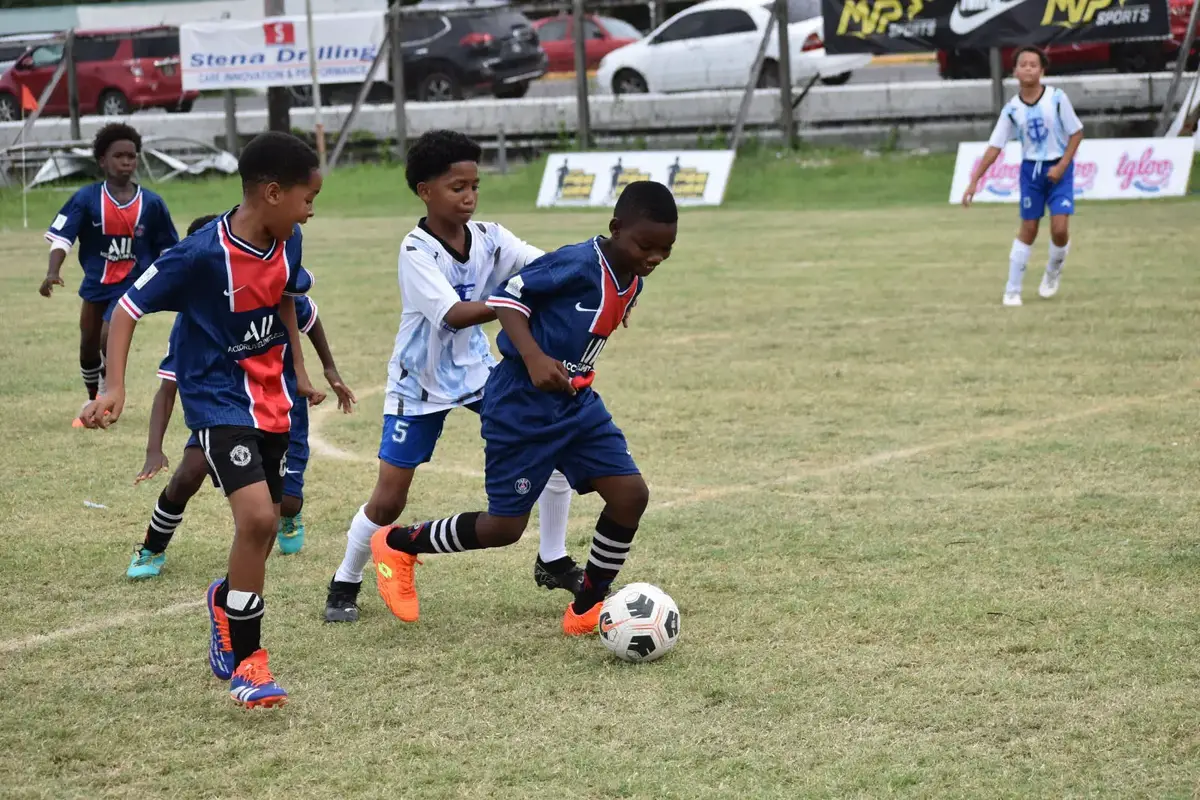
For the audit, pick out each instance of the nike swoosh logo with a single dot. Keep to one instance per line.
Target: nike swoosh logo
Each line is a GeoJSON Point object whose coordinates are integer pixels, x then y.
{"type": "Point", "coordinates": [579, 307]}
{"type": "Point", "coordinates": [292, 472]}
{"type": "Point", "coordinates": [964, 25]}
{"type": "Point", "coordinates": [605, 627]}
{"type": "Point", "coordinates": [235, 291]}
{"type": "Point", "coordinates": [97, 224]}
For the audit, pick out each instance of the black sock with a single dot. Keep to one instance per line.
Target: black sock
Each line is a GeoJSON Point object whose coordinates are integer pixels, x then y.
{"type": "Point", "coordinates": [245, 613]}
{"type": "Point", "coordinates": [90, 370]}
{"type": "Point", "coordinates": [610, 548]}
{"type": "Point", "coordinates": [163, 522]}
{"type": "Point", "coordinates": [451, 535]}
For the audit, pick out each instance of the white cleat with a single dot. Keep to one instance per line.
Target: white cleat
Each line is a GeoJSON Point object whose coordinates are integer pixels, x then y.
{"type": "Point", "coordinates": [1012, 299]}
{"type": "Point", "coordinates": [1049, 286]}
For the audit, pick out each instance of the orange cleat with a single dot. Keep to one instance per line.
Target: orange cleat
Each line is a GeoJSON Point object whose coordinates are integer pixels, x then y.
{"type": "Point", "coordinates": [253, 685]}
{"type": "Point", "coordinates": [581, 624]}
{"type": "Point", "coordinates": [394, 577]}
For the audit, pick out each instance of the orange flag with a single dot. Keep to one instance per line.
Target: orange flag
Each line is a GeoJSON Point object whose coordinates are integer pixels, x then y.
{"type": "Point", "coordinates": [28, 101]}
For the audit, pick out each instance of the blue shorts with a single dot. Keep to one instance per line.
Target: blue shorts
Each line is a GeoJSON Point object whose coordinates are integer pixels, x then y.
{"type": "Point", "coordinates": [408, 440]}
{"type": "Point", "coordinates": [529, 433]}
{"type": "Point", "coordinates": [1038, 192]}
{"type": "Point", "coordinates": [108, 295]}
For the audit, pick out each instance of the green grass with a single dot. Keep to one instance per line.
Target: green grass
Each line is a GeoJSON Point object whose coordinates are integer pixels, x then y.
{"type": "Point", "coordinates": [923, 545]}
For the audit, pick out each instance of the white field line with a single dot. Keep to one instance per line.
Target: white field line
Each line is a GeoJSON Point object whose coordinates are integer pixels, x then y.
{"type": "Point", "coordinates": [699, 496]}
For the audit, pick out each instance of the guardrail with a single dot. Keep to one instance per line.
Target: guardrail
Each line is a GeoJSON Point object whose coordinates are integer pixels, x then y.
{"type": "Point", "coordinates": [826, 110]}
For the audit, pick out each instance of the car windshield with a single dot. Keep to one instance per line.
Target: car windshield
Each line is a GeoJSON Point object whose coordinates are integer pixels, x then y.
{"type": "Point", "coordinates": [619, 28]}
{"type": "Point", "coordinates": [800, 10]}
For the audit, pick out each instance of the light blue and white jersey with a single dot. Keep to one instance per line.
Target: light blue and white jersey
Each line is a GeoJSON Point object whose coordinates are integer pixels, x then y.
{"type": "Point", "coordinates": [435, 367]}
{"type": "Point", "coordinates": [1043, 127]}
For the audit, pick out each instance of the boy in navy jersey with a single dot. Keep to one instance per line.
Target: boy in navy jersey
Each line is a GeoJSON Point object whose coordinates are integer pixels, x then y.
{"type": "Point", "coordinates": [539, 412]}
{"type": "Point", "coordinates": [150, 556]}
{"type": "Point", "coordinates": [121, 229]}
{"type": "Point", "coordinates": [229, 282]}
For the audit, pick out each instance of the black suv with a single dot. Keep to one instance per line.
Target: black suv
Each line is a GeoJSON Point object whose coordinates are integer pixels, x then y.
{"type": "Point", "coordinates": [456, 54]}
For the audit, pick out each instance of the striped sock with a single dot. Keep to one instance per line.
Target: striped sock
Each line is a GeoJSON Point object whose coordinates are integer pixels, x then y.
{"type": "Point", "coordinates": [90, 372]}
{"type": "Point", "coordinates": [164, 520]}
{"type": "Point", "coordinates": [610, 547]}
{"type": "Point", "coordinates": [245, 612]}
{"type": "Point", "coordinates": [451, 535]}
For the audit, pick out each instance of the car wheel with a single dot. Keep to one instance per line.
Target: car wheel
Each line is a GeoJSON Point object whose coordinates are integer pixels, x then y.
{"type": "Point", "coordinates": [182, 107]}
{"type": "Point", "coordinates": [768, 78]}
{"type": "Point", "coordinates": [9, 110]}
{"type": "Point", "coordinates": [113, 104]}
{"type": "Point", "coordinates": [837, 80]}
{"type": "Point", "coordinates": [629, 82]}
{"type": "Point", "coordinates": [512, 91]}
{"type": "Point", "coordinates": [439, 86]}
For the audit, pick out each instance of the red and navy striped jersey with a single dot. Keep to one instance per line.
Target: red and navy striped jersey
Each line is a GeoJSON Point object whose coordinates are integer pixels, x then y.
{"type": "Point", "coordinates": [573, 302]}
{"type": "Point", "coordinates": [116, 241]}
{"type": "Point", "coordinates": [230, 342]}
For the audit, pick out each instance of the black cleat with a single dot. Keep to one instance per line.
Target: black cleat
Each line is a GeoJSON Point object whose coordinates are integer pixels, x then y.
{"type": "Point", "coordinates": [562, 573]}
{"type": "Point", "coordinates": [341, 604]}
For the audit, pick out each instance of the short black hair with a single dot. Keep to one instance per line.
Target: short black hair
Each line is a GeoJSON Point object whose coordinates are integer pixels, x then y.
{"type": "Point", "coordinates": [200, 222]}
{"type": "Point", "coordinates": [646, 200]}
{"type": "Point", "coordinates": [1039, 52]}
{"type": "Point", "coordinates": [115, 132]}
{"type": "Point", "coordinates": [276, 157]}
{"type": "Point", "coordinates": [435, 152]}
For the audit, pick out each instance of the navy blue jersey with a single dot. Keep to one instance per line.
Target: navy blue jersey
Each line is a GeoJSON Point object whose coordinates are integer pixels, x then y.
{"type": "Point", "coordinates": [229, 343]}
{"type": "Point", "coordinates": [573, 302]}
{"type": "Point", "coordinates": [116, 242]}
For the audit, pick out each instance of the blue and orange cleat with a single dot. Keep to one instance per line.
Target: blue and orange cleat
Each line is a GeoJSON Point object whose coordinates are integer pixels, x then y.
{"type": "Point", "coordinates": [394, 577]}
{"type": "Point", "coordinates": [253, 685]}
{"type": "Point", "coordinates": [581, 624]}
{"type": "Point", "coordinates": [290, 535]}
{"type": "Point", "coordinates": [220, 647]}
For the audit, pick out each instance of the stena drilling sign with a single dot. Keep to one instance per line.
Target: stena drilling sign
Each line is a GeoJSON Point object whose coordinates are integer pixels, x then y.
{"type": "Point", "coordinates": [238, 54]}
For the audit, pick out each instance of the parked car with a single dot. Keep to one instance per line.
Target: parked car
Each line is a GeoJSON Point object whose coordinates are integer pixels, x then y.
{"type": "Point", "coordinates": [713, 44]}
{"type": "Point", "coordinates": [601, 35]}
{"type": "Point", "coordinates": [1087, 57]}
{"type": "Point", "coordinates": [13, 47]}
{"type": "Point", "coordinates": [117, 72]}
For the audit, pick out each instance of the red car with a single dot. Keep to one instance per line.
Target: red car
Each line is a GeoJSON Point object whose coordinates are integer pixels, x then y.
{"type": "Point", "coordinates": [1090, 57]}
{"type": "Point", "coordinates": [601, 35]}
{"type": "Point", "coordinates": [117, 72]}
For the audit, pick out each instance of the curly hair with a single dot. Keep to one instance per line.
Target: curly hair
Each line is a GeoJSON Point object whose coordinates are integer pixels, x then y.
{"type": "Point", "coordinates": [435, 152]}
{"type": "Point", "coordinates": [112, 133]}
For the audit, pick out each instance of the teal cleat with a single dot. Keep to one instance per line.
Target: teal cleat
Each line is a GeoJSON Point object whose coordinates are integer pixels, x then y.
{"type": "Point", "coordinates": [145, 564]}
{"type": "Point", "coordinates": [290, 534]}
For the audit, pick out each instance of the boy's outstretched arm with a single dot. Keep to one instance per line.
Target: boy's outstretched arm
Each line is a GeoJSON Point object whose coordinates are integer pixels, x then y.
{"type": "Point", "coordinates": [106, 409]}
{"type": "Point", "coordinates": [53, 272]}
{"type": "Point", "coordinates": [985, 164]}
{"type": "Point", "coordinates": [346, 398]}
{"type": "Point", "coordinates": [547, 374]}
{"type": "Point", "coordinates": [466, 313]}
{"type": "Point", "coordinates": [160, 416]}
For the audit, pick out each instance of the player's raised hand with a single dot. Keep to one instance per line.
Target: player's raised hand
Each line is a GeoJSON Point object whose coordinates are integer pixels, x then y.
{"type": "Point", "coordinates": [549, 374]}
{"type": "Point", "coordinates": [155, 463]}
{"type": "Point", "coordinates": [104, 410]}
{"type": "Point", "coordinates": [345, 396]}
{"type": "Point", "coordinates": [48, 285]}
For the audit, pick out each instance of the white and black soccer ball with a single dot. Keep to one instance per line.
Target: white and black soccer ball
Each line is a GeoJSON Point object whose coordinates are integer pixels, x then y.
{"type": "Point", "coordinates": [639, 623]}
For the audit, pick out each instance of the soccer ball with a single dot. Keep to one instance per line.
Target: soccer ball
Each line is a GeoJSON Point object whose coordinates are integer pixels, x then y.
{"type": "Point", "coordinates": [639, 623]}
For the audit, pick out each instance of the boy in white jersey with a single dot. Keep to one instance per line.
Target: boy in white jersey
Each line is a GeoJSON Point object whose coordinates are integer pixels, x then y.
{"type": "Point", "coordinates": [448, 267]}
{"type": "Point", "coordinates": [1042, 118]}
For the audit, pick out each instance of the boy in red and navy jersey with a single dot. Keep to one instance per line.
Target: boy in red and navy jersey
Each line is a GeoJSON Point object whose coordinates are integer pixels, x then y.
{"type": "Point", "coordinates": [121, 228]}
{"type": "Point", "coordinates": [230, 283]}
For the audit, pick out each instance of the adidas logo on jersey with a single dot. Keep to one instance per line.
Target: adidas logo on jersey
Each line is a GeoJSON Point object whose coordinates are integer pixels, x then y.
{"type": "Point", "coordinates": [120, 249]}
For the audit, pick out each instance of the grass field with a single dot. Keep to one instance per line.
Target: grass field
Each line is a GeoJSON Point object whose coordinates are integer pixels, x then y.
{"type": "Point", "coordinates": [922, 544]}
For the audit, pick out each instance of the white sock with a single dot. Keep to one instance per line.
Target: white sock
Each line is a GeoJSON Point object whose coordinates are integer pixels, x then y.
{"type": "Point", "coordinates": [1058, 257]}
{"type": "Point", "coordinates": [554, 508]}
{"type": "Point", "coordinates": [1018, 257]}
{"type": "Point", "coordinates": [358, 548]}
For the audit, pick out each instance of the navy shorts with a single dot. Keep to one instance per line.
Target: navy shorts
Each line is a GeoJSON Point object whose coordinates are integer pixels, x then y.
{"type": "Point", "coordinates": [1038, 192]}
{"type": "Point", "coordinates": [408, 440]}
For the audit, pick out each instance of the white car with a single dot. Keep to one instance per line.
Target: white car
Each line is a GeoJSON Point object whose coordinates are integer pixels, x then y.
{"type": "Point", "coordinates": [712, 45]}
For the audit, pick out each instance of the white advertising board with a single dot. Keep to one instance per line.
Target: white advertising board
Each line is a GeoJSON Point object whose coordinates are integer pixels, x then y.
{"type": "Point", "coordinates": [239, 54]}
{"type": "Point", "coordinates": [696, 177]}
{"type": "Point", "coordinates": [1105, 169]}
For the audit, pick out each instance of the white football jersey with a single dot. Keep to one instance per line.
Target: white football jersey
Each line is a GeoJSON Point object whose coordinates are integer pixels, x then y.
{"type": "Point", "coordinates": [1043, 127]}
{"type": "Point", "coordinates": [435, 367]}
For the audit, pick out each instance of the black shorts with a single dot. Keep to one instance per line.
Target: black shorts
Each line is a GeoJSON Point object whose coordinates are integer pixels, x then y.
{"type": "Point", "coordinates": [239, 457]}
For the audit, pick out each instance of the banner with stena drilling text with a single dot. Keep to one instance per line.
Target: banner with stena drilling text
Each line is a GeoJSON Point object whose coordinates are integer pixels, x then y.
{"type": "Point", "coordinates": [1105, 169]}
{"type": "Point", "coordinates": [695, 177]}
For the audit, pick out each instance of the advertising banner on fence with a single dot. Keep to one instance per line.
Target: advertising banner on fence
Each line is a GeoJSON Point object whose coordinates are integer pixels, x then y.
{"type": "Point", "coordinates": [696, 177]}
{"type": "Point", "coordinates": [235, 54]}
{"type": "Point", "coordinates": [896, 26]}
{"type": "Point", "coordinates": [1105, 169]}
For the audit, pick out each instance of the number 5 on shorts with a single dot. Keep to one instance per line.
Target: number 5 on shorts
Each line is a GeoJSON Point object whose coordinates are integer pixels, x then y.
{"type": "Point", "coordinates": [400, 431]}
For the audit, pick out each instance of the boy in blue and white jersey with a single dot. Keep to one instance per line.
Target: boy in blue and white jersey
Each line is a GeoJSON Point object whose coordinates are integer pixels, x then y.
{"type": "Point", "coordinates": [448, 267]}
{"type": "Point", "coordinates": [1050, 132]}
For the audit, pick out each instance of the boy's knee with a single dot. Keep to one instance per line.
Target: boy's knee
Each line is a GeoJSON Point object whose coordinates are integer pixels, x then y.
{"type": "Point", "coordinates": [638, 497]}
{"type": "Point", "coordinates": [507, 530]}
{"type": "Point", "coordinates": [257, 524]}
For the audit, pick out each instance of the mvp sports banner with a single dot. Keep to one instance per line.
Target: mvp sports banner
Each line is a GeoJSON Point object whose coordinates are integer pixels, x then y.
{"type": "Point", "coordinates": [1105, 169]}
{"type": "Point", "coordinates": [235, 54]}
{"type": "Point", "coordinates": [894, 26]}
{"type": "Point", "coordinates": [695, 177]}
